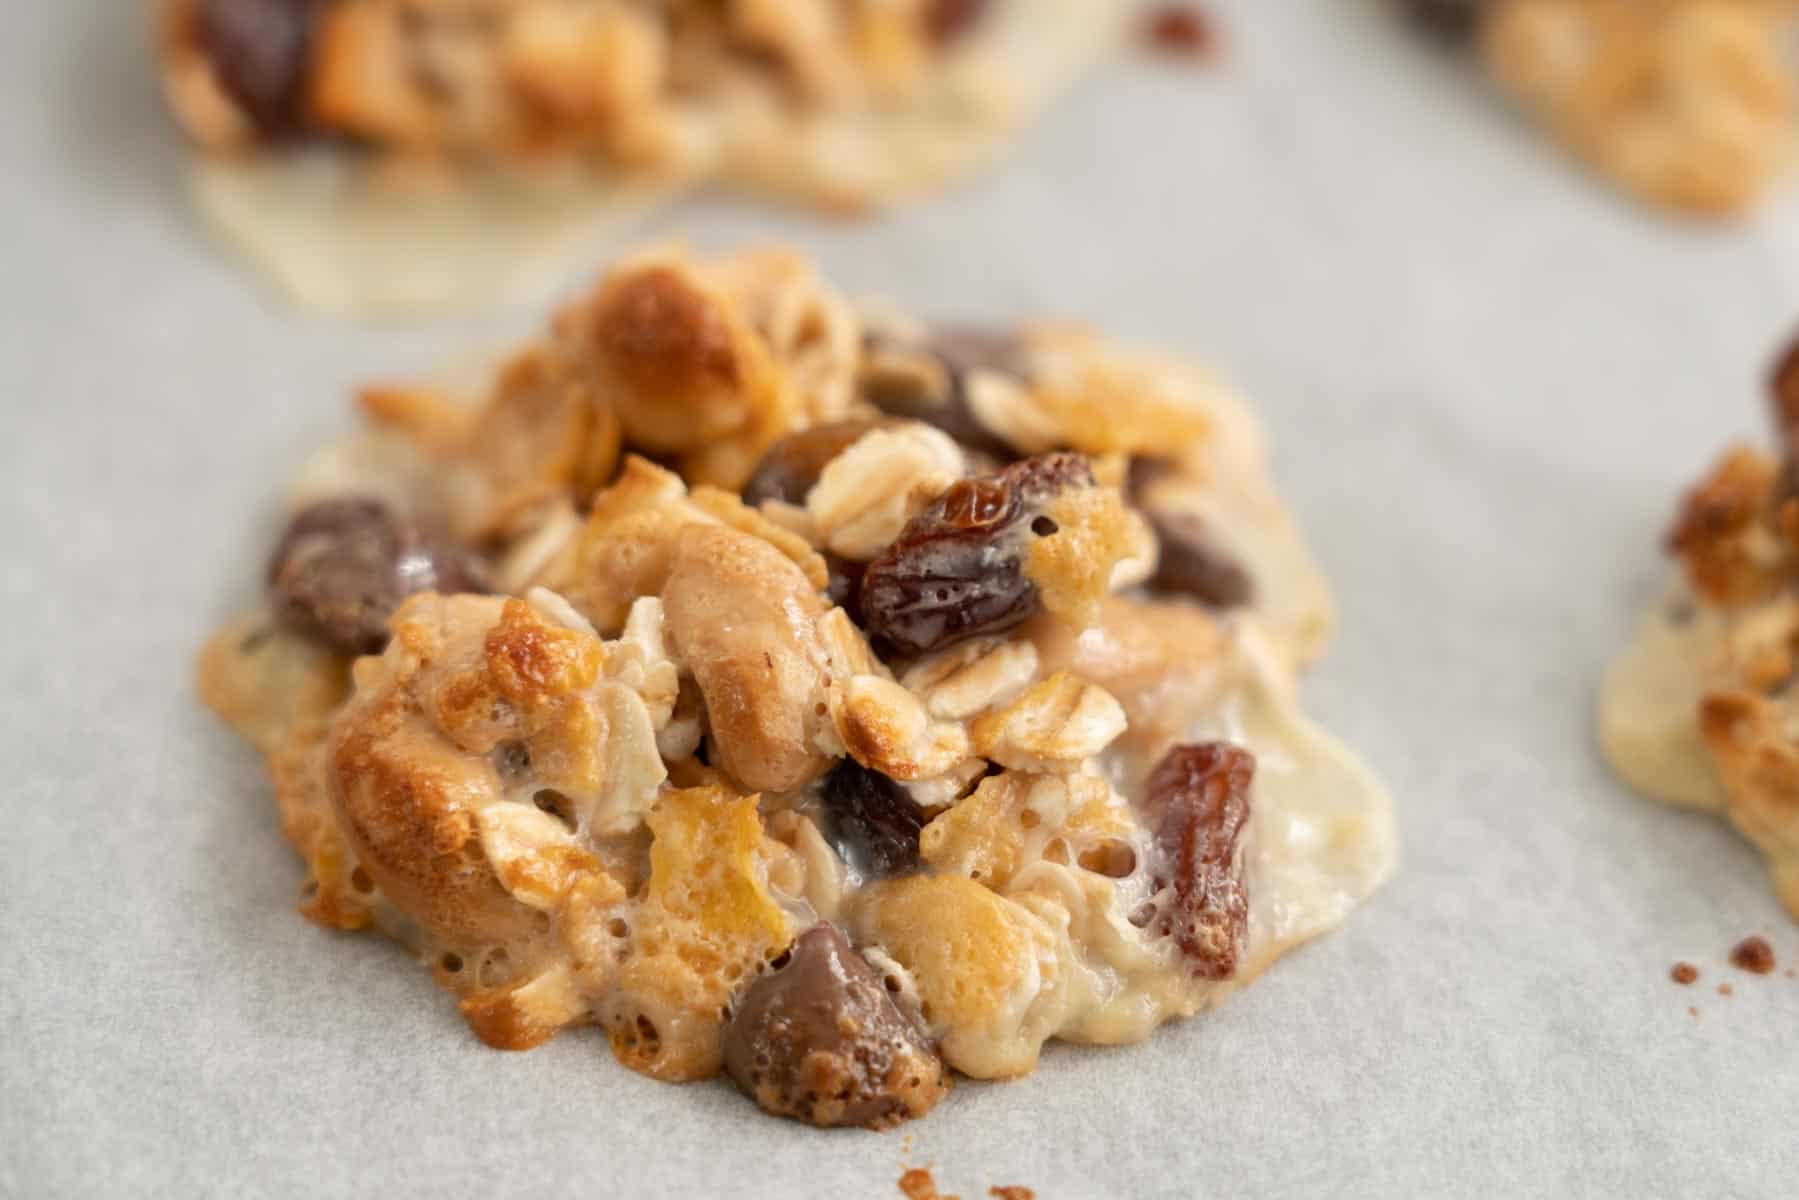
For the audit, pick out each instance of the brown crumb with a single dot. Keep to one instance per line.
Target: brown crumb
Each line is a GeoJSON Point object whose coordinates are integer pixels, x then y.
{"type": "Point", "coordinates": [1683, 973]}
{"type": "Point", "coordinates": [1693, 1012]}
{"type": "Point", "coordinates": [1753, 954]}
{"type": "Point", "coordinates": [918, 1184]}
{"type": "Point", "coordinates": [1724, 989]}
{"type": "Point", "coordinates": [1181, 31]}
{"type": "Point", "coordinates": [1012, 1193]}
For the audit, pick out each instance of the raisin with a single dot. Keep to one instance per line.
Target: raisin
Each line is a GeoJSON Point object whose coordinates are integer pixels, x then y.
{"type": "Point", "coordinates": [793, 464]}
{"type": "Point", "coordinates": [1199, 795]}
{"type": "Point", "coordinates": [844, 588]}
{"type": "Point", "coordinates": [344, 565]}
{"type": "Point", "coordinates": [947, 20]}
{"type": "Point", "coordinates": [872, 821]}
{"type": "Point", "coordinates": [1192, 563]}
{"type": "Point", "coordinates": [956, 571]}
{"type": "Point", "coordinates": [928, 381]}
{"type": "Point", "coordinates": [819, 1038]}
{"type": "Point", "coordinates": [1451, 20]}
{"type": "Point", "coordinates": [259, 51]}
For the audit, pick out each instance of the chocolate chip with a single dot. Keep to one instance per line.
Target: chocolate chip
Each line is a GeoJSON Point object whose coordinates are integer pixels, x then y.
{"type": "Point", "coordinates": [792, 465]}
{"type": "Point", "coordinates": [929, 380]}
{"type": "Point", "coordinates": [344, 565]}
{"type": "Point", "coordinates": [821, 1039]}
{"type": "Point", "coordinates": [1194, 563]}
{"type": "Point", "coordinates": [260, 51]}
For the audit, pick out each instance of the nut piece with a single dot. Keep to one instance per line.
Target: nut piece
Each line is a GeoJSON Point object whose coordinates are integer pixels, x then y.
{"type": "Point", "coordinates": [741, 616]}
{"type": "Point", "coordinates": [1202, 794]}
{"type": "Point", "coordinates": [957, 569]}
{"type": "Point", "coordinates": [344, 566]}
{"type": "Point", "coordinates": [818, 1038]}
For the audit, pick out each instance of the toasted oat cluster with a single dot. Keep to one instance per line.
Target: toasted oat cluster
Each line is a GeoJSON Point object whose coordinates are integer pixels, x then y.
{"type": "Point", "coordinates": [1701, 710]}
{"type": "Point", "coordinates": [1684, 103]}
{"type": "Point", "coordinates": [787, 94]}
{"type": "Point", "coordinates": [836, 702]}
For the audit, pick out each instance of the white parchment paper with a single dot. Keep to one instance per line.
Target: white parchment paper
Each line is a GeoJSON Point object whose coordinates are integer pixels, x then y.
{"type": "Point", "coordinates": [1485, 378]}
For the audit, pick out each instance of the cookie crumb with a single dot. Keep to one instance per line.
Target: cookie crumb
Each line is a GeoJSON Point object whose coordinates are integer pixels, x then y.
{"type": "Point", "coordinates": [918, 1184]}
{"type": "Point", "coordinates": [1693, 1012]}
{"type": "Point", "coordinates": [1683, 973]}
{"type": "Point", "coordinates": [1012, 1193]}
{"type": "Point", "coordinates": [1181, 31]}
{"type": "Point", "coordinates": [1753, 954]}
{"type": "Point", "coordinates": [1724, 989]}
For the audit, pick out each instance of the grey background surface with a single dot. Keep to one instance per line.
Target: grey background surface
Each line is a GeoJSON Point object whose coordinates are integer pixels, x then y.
{"type": "Point", "coordinates": [1485, 378]}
